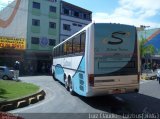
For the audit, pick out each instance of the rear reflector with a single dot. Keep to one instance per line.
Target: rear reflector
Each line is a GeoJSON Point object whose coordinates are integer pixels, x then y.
{"type": "Point", "coordinates": [139, 77]}
{"type": "Point", "coordinates": [91, 79]}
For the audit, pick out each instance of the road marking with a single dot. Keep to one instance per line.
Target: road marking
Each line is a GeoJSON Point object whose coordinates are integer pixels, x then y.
{"type": "Point", "coordinates": [119, 99]}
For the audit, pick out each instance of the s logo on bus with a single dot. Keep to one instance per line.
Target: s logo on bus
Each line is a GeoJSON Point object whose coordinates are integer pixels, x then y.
{"type": "Point", "coordinates": [118, 36]}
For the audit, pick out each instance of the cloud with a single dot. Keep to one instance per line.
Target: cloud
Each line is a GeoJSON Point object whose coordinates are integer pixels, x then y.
{"type": "Point", "coordinates": [4, 3]}
{"type": "Point", "coordinates": [133, 12]}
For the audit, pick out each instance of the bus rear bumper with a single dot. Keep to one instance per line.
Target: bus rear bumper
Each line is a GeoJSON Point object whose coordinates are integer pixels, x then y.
{"type": "Point", "coordinates": [105, 90]}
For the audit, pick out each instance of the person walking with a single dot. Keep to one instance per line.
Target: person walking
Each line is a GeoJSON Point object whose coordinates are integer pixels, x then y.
{"type": "Point", "coordinates": [16, 70]}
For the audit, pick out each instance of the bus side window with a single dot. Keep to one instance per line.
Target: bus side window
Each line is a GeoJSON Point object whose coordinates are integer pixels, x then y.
{"type": "Point", "coordinates": [57, 51]}
{"type": "Point", "coordinates": [69, 47]}
{"type": "Point", "coordinates": [65, 48]}
{"type": "Point", "coordinates": [62, 49]}
{"type": "Point", "coordinates": [55, 54]}
{"type": "Point", "coordinates": [76, 44]}
{"type": "Point", "coordinates": [83, 39]}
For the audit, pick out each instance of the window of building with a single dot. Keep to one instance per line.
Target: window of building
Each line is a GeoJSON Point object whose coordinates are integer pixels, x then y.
{"type": "Point", "coordinates": [52, 42]}
{"type": "Point", "coordinates": [66, 11]}
{"type": "Point", "coordinates": [76, 14]}
{"type": "Point", "coordinates": [84, 16]}
{"type": "Point", "coordinates": [52, 9]}
{"type": "Point", "coordinates": [52, 25]}
{"type": "Point", "coordinates": [66, 27]}
{"type": "Point", "coordinates": [52, 0]}
{"type": "Point", "coordinates": [35, 22]}
{"type": "Point", "coordinates": [79, 25]}
{"type": "Point", "coordinates": [36, 5]}
{"type": "Point", "coordinates": [88, 17]}
{"type": "Point", "coordinates": [35, 40]}
{"type": "Point", "coordinates": [74, 24]}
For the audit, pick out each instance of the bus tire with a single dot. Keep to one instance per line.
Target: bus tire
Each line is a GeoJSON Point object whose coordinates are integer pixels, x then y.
{"type": "Point", "coordinates": [66, 84]}
{"type": "Point", "coordinates": [70, 86]}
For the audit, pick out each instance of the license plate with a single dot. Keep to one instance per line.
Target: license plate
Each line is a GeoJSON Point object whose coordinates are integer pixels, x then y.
{"type": "Point", "coordinates": [116, 91]}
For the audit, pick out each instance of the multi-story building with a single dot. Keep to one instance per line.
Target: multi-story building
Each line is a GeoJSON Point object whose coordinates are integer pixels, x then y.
{"type": "Point", "coordinates": [29, 29]}
{"type": "Point", "coordinates": [153, 39]}
{"type": "Point", "coordinates": [73, 19]}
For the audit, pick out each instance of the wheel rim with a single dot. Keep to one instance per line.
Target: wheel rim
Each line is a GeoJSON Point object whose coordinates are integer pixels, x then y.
{"type": "Point", "coordinates": [70, 86]}
{"type": "Point", "coordinates": [66, 84]}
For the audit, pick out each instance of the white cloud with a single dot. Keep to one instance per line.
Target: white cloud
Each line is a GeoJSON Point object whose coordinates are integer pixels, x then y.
{"type": "Point", "coordinates": [133, 12]}
{"type": "Point", "coordinates": [4, 3]}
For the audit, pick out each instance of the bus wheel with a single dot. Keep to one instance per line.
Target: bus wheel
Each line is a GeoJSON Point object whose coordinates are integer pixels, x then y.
{"type": "Point", "coordinates": [66, 83]}
{"type": "Point", "coordinates": [71, 87]}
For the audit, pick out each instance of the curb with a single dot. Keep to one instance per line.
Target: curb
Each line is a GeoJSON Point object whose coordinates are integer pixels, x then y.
{"type": "Point", "coordinates": [23, 102]}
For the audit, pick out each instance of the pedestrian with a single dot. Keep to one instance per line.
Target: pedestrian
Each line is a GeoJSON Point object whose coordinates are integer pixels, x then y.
{"type": "Point", "coordinates": [158, 75]}
{"type": "Point", "coordinates": [16, 70]}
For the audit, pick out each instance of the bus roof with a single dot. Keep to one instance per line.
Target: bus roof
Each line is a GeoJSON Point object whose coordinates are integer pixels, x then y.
{"type": "Point", "coordinates": [82, 31]}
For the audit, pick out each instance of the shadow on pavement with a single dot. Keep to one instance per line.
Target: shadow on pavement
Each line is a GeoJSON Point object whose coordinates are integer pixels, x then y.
{"type": "Point", "coordinates": [124, 103]}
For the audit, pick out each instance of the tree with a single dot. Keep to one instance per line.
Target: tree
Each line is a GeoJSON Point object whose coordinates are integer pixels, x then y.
{"type": "Point", "coordinates": [145, 49]}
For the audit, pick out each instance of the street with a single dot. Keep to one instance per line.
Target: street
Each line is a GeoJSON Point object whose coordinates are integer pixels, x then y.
{"type": "Point", "coordinates": [58, 100]}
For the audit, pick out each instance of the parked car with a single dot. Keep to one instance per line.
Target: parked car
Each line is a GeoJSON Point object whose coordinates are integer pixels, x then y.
{"type": "Point", "coordinates": [6, 73]}
{"type": "Point", "coordinates": [149, 74]}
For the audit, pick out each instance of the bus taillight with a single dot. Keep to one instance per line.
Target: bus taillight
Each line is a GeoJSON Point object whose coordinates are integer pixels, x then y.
{"type": "Point", "coordinates": [139, 76]}
{"type": "Point", "coordinates": [91, 79]}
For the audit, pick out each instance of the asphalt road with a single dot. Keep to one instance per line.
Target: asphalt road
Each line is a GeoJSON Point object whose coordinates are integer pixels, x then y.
{"type": "Point", "coordinates": [59, 101]}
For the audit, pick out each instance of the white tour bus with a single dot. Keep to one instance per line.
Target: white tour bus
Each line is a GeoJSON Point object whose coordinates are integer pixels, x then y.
{"type": "Point", "coordinates": [100, 59]}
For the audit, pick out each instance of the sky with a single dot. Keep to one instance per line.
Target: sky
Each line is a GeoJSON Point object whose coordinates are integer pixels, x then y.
{"type": "Point", "coordinates": [132, 12]}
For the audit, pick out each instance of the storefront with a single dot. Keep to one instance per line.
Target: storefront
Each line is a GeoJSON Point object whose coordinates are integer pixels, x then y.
{"type": "Point", "coordinates": [37, 63]}
{"type": "Point", "coordinates": [11, 50]}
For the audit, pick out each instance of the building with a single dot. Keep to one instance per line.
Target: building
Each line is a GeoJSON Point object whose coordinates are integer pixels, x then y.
{"type": "Point", "coordinates": [73, 19]}
{"type": "Point", "coordinates": [153, 38]}
{"type": "Point", "coordinates": [29, 29]}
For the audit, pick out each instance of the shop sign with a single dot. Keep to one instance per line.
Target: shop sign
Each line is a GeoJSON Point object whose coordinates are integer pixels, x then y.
{"type": "Point", "coordinates": [12, 43]}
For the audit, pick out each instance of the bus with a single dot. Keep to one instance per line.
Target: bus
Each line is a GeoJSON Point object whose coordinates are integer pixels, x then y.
{"type": "Point", "coordinates": [100, 59]}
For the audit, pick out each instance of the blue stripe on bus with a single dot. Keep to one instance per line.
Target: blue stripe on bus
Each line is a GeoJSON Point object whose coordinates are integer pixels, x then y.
{"type": "Point", "coordinates": [79, 79]}
{"type": "Point", "coordinates": [71, 69]}
{"type": "Point", "coordinates": [59, 73]}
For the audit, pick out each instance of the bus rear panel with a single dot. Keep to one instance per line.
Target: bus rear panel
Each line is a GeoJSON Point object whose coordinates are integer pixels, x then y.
{"type": "Point", "coordinates": [115, 60]}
